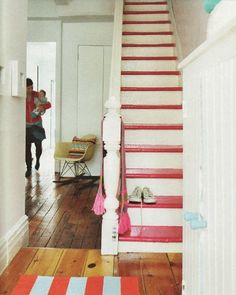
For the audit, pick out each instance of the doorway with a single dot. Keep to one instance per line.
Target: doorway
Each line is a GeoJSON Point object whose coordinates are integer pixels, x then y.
{"type": "Point", "coordinates": [41, 68]}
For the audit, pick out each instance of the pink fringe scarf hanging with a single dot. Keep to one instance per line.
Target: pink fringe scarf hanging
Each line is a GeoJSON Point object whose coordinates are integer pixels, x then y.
{"type": "Point", "coordinates": [124, 219]}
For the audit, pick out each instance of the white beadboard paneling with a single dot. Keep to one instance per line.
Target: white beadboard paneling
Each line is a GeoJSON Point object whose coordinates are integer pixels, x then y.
{"type": "Point", "coordinates": [210, 166]}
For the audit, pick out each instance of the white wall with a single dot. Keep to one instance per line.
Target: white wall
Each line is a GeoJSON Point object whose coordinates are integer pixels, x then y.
{"type": "Point", "coordinates": [191, 21]}
{"type": "Point", "coordinates": [75, 34]}
{"type": "Point", "coordinates": [48, 8]}
{"type": "Point", "coordinates": [13, 222]}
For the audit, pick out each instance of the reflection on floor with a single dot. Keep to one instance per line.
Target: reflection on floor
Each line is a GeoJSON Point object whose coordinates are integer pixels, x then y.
{"type": "Point", "coordinates": [60, 216]}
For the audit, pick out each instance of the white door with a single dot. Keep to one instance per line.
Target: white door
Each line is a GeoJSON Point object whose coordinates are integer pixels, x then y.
{"type": "Point", "coordinates": [93, 88]}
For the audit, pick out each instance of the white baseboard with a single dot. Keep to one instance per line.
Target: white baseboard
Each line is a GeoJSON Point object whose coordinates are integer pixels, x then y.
{"type": "Point", "coordinates": [16, 238]}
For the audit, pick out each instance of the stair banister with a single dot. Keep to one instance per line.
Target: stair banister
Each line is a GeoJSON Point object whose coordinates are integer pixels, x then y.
{"type": "Point", "coordinates": [116, 50]}
{"type": "Point", "coordinates": [111, 138]}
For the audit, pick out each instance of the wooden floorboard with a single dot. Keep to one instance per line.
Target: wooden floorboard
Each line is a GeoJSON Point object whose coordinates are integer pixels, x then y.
{"type": "Point", "coordinates": [153, 270]}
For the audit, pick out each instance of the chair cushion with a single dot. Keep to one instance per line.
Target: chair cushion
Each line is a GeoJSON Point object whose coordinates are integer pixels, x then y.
{"type": "Point", "coordinates": [85, 139]}
{"type": "Point", "coordinates": [80, 145]}
{"type": "Point", "coordinates": [78, 148]}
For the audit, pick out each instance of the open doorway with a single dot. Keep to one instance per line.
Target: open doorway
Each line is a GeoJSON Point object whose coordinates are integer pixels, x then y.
{"type": "Point", "coordinates": [41, 68]}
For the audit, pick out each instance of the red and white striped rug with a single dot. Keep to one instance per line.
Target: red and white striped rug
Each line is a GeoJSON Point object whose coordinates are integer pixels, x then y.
{"type": "Point", "coordinates": [45, 285]}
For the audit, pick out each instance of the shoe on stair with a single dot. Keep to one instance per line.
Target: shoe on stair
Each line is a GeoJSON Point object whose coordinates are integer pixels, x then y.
{"type": "Point", "coordinates": [148, 197]}
{"type": "Point", "coordinates": [136, 196]}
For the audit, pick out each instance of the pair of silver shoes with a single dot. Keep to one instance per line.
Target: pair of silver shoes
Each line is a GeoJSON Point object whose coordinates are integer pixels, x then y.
{"type": "Point", "coordinates": [138, 194]}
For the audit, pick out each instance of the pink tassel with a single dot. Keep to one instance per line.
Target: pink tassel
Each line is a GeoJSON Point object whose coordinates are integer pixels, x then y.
{"type": "Point", "coordinates": [124, 219]}
{"type": "Point", "coordinates": [98, 206]}
{"type": "Point", "coordinates": [124, 223]}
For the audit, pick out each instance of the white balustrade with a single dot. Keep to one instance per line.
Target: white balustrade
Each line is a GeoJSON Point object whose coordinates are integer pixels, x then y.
{"type": "Point", "coordinates": [116, 50]}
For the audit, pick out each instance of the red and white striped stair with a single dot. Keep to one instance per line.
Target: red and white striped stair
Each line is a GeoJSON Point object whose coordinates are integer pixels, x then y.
{"type": "Point", "coordinates": [151, 108]}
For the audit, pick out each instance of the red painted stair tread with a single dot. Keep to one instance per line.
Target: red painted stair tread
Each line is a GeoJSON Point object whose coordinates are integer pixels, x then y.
{"type": "Point", "coordinates": [148, 58]}
{"type": "Point", "coordinates": [170, 202]}
{"type": "Point", "coordinates": [147, 12]}
{"type": "Point", "coordinates": [146, 33]}
{"type": "Point", "coordinates": [153, 126]}
{"type": "Point", "coordinates": [151, 88]}
{"type": "Point", "coordinates": [146, 73]}
{"type": "Point", "coordinates": [146, 22]}
{"type": "Point", "coordinates": [154, 173]}
{"type": "Point", "coordinates": [162, 234]}
{"type": "Point", "coordinates": [153, 148]}
{"type": "Point", "coordinates": [148, 45]}
{"type": "Point", "coordinates": [150, 107]}
{"type": "Point", "coordinates": [146, 3]}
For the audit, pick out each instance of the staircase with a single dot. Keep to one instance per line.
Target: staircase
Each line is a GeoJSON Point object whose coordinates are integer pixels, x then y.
{"type": "Point", "coordinates": [152, 113]}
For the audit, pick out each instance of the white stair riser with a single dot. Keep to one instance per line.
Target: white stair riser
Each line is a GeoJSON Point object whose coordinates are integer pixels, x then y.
{"type": "Point", "coordinates": [151, 97]}
{"type": "Point", "coordinates": [152, 116]}
{"type": "Point", "coordinates": [147, 39]}
{"type": "Point", "coordinates": [138, 247]}
{"type": "Point", "coordinates": [159, 186]}
{"type": "Point", "coordinates": [147, 28]}
{"type": "Point", "coordinates": [144, 1]}
{"type": "Point", "coordinates": [148, 51]}
{"type": "Point", "coordinates": [150, 7]}
{"type": "Point", "coordinates": [150, 80]}
{"type": "Point", "coordinates": [166, 137]}
{"type": "Point", "coordinates": [156, 216]}
{"type": "Point", "coordinates": [149, 65]}
{"type": "Point", "coordinates": [154, 160]}
{"type": "Point", "coordinates": [145, 17]}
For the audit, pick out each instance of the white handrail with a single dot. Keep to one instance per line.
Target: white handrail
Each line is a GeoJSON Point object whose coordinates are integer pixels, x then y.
{"type": "Point", "coordinates": [116, 50]}
{"type": "Point", "coordinates": [111, 138]}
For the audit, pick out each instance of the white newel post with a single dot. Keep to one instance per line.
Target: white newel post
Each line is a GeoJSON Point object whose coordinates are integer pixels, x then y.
{"type": "Point", "coordinates": [111, 138]}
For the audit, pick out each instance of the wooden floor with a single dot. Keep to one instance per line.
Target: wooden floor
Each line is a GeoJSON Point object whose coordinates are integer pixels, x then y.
{"type": "Point", "coordinates": [60, 216]}
{"type": "Point", "coordinates": [159, 274]}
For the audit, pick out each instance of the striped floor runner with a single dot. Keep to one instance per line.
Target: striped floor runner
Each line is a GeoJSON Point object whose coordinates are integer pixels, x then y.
{"type": "Point", "coordinates": [44, 285]}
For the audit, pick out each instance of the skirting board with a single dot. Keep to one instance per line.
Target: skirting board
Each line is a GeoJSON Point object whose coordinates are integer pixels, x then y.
{"type": "Point", "coordinates": [13, 241]}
